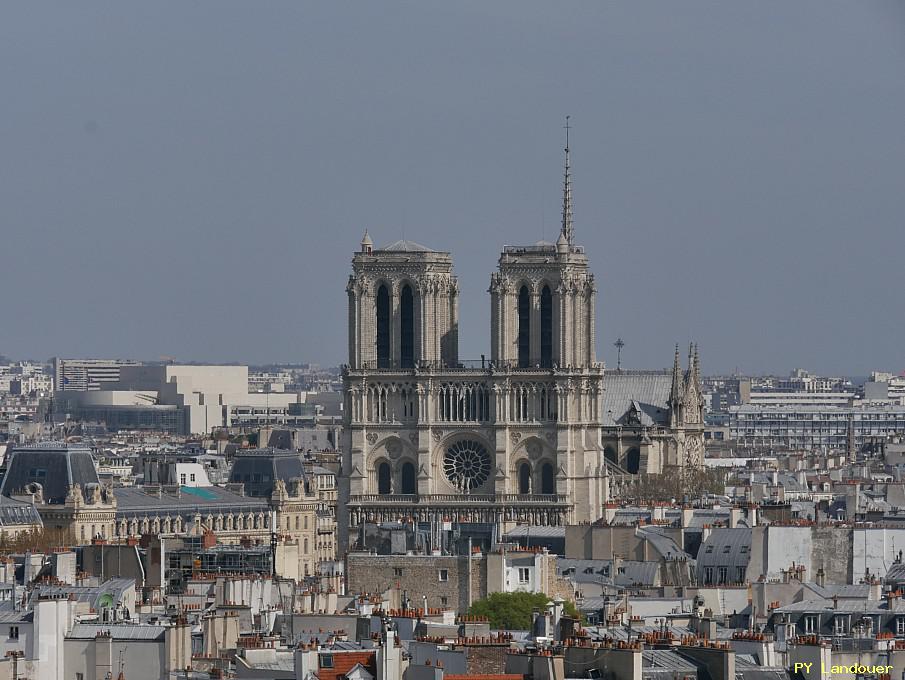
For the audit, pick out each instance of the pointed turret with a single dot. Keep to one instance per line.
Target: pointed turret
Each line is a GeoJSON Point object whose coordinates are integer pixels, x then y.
{"type": "Point", "coordinates": [567, 232]}
{"type": "Point", "coordinates": [367, 245]}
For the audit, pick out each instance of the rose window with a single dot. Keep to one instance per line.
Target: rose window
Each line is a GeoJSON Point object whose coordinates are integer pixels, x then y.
{"type": "Point", "coordinates": [466, 465]}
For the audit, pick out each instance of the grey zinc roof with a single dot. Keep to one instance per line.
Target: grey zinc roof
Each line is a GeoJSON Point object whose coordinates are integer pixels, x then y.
{"type": "Point", "coordinates": [131, 501]}
{"type": "Point", "coordinates": [668, 660]}
{"type": "Point", "coordinates": [536, 532]}
{"type": "Point", "coordinates": [725, 548]}
{"type": "Point", "coordinates": [13, 512]}
{"type": "Point", "coordinates": [13, 616]}
{"type": "Point", "coordinates": [649, 390]}
{"type": "Point", "coordinates": [404, 246]}
{"type": "Point", "coordinates": [841, 605]}
{"type": "Point", "coordinates": [114, 587]}
{"type": "Point", "coordinates": [53, 465]}
{"type": "Point", "coordinates": [258, 469]}
{"type": "Point", "coordinates": [665, 545]}
{"type": "Point", "coordinates": [118, 631]}
{"type": "Point", "coordinates": [896, 573]}
{"type": "Point", "coordinates": [635, 573]}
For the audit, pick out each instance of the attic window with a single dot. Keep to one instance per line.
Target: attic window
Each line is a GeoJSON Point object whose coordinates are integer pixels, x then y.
{"type": "Point", "coordinates": [709, 549]}
{"type": "Point", "coordinates": [744, 550]}
{"type": "Point", "coordinates": [726, 549]}
{"type": "Point", "coordinates": [326, 661]}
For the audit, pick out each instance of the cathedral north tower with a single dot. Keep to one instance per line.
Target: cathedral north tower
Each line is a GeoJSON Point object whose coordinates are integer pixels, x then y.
{"type": "Point", "coordinates": [403, 307]}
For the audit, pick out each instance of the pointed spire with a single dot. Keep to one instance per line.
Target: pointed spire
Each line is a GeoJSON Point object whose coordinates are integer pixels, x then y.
{"type": "Point", "coordinates": [567, 232]}
{"type": "Point", "coordinates": [675, 392]}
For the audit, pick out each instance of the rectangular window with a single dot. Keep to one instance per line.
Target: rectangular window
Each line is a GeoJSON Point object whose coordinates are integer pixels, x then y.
{"type": "Point", "coordinates": [740, 574]}
{"type": "Point", "coordinates": [192, 477]}
{"type": "Point", "coordinates": [397, 571]}
{"type": "Point", "coordinates": [724, 574]}
{"type": "Point", "coordinates": [443, 575]}
{"type": "Point", "coordinates": [900, 625]}
{"type": "Point", "coordinates": [182, 479]}
{"type": "Point", "coordinates": [810, 623]}
{"type": "Point", "coordinates": [326, 661]}
{"type": "Point", "coordinates": [524, 574]}
{"type": "Point", "coordinates": [14, 632]}
{"type": "Point", "coordinates": [444, 600]}
{"type": "Point", "coordinates": [708, 576]}
{"type": "Point", "coordinates": [840, 625]}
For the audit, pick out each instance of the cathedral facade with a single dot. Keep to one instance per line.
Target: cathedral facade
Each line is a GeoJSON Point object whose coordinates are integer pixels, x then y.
{"type": "Point", "coordinates": [529, 434]}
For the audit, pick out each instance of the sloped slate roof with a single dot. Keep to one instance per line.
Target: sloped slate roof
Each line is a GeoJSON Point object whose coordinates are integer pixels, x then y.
{"type": "Point", "coordinates": [649, 390]}
{"type": "Point", "coordinates": [259, 469]}
{"type": "Point", "coordinates": [603, 572]}
{"type": "Point", "coordinates": [13, 512]}
{"type": "Point", "coordinates": [665, 545]}
{"type": "Point", "coordinates": [54, 465]}
{"type": "Point", "coordinates": [725, 548]}
{"type": "Point", "coordinates": [118, 631]}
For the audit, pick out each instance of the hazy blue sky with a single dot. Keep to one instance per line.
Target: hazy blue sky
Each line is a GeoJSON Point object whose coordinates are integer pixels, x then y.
{"type": "Point", "coordinates": [191, 178]}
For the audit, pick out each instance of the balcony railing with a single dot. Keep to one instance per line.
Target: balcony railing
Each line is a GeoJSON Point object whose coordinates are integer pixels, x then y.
{"type": "Point", "coordinates": [458, 499]}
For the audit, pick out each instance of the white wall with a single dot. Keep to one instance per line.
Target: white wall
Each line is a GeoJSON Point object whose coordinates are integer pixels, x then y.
{"type": "Point", "coordinates": [875, 549]}
{"type": "Point", "coordinates": [785, 546]}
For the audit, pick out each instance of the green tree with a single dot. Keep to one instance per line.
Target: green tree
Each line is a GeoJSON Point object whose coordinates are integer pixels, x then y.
{"type": "Point", "coordinates": [512, 611]}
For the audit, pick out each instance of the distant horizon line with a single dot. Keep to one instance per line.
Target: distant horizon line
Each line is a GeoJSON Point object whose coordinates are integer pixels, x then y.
{"type": "Point", "coordinates": [337, 366]}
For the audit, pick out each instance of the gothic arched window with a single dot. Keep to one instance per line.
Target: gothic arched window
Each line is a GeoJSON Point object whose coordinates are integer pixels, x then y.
{"type": "Point", "coordinates": [407, 319]}
{"type": "Point", "coordinates": [524, 328]}
{"type": "Point", "coordinates": [633, 460]}
{"type": "Point", "coordinates": [546, 327]}
{"type": "Point", "coordinates": [524, 478]}
{"type": "Point", "coordinates": [547, 483]}
{"type": "Point", "coordinates": [383, 478]}
{"type": "Point", "coordinates": [407, 479]}
{"type": "Point", "coordinates": [383, 327]}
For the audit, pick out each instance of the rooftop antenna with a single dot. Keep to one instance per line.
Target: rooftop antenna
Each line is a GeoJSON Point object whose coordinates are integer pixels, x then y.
{"type": "Point", "coordinates": [619, 344]}
{"type": "Point", "coordinates": [567, 229]}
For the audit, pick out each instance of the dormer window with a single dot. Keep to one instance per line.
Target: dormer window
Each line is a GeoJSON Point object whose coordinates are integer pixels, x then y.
{"type": "Point", "coordinates": [810, 623]}
{"type": "Point", "coordinates": [840, 624]}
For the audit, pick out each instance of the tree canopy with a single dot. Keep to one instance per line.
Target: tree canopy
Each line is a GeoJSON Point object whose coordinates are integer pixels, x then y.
{"type": "Point", "coordinates": [512, 611]}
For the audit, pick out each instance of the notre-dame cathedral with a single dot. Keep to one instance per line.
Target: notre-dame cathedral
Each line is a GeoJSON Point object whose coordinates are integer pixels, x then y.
{"type": "Point", "coordinates": [538, 433]}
